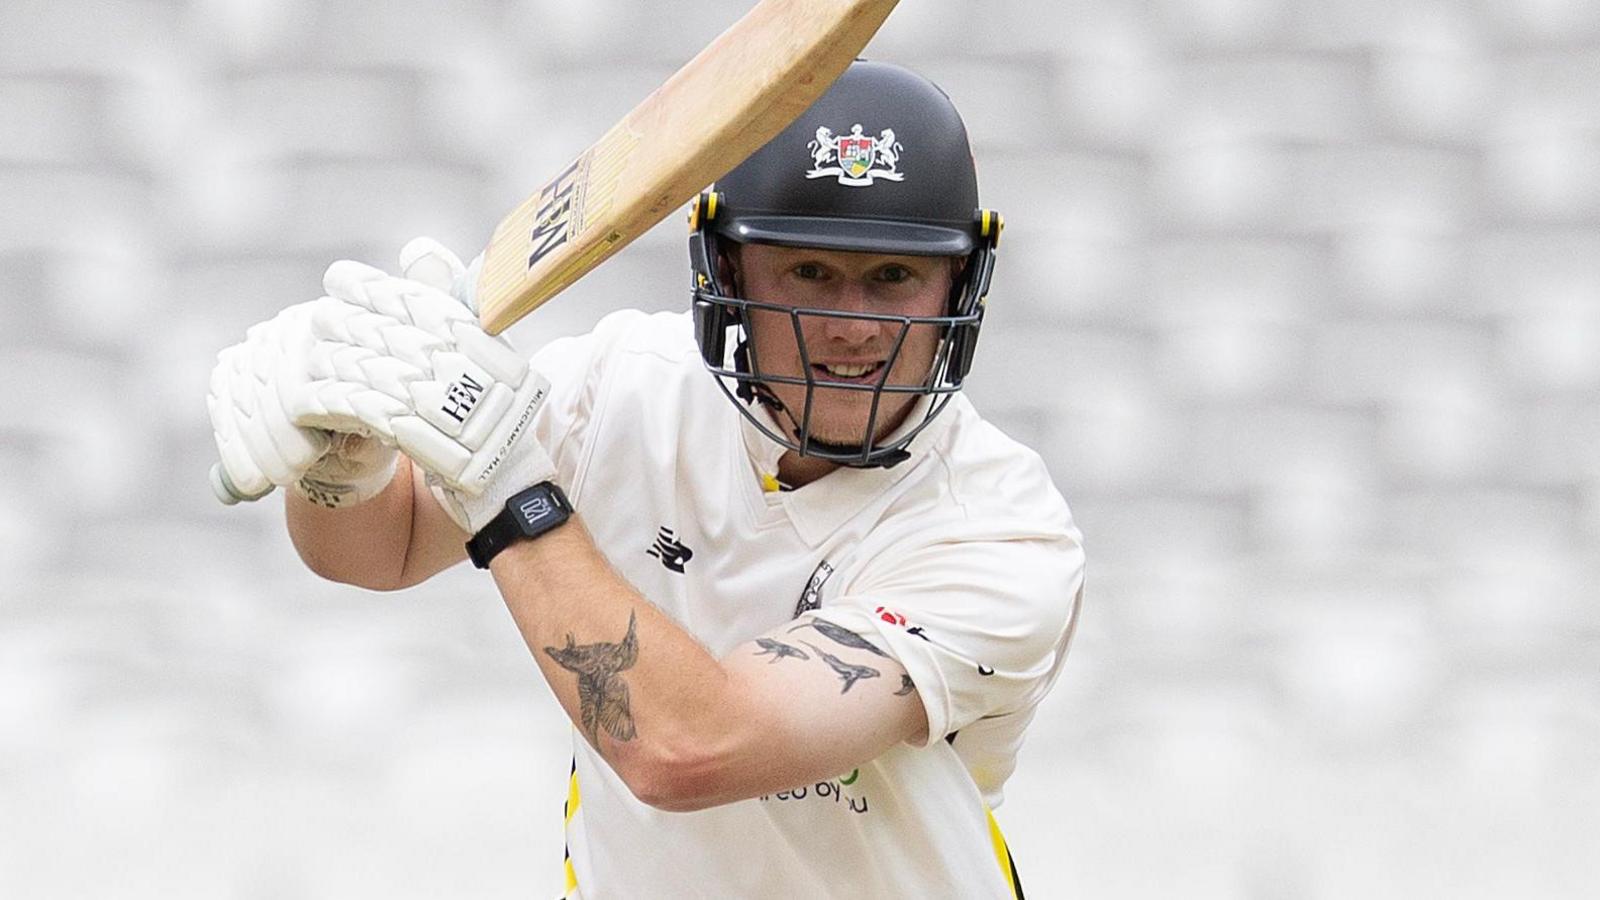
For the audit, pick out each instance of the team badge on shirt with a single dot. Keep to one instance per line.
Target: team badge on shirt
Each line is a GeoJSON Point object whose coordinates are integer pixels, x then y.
{"type": "Point", "coordinates": [811, 597]}
{"type": "Point", "coordinates": [856, 159]}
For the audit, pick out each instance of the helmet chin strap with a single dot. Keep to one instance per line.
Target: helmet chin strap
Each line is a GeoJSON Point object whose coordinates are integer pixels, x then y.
{"type": "Point", "coordinates": [876, 459]}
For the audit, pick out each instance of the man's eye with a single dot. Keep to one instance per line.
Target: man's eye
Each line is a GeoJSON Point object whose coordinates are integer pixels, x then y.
{"type": "Point", "coordinates": [894, 274]}
{"type": "Point", "coordinates": [808, 271]}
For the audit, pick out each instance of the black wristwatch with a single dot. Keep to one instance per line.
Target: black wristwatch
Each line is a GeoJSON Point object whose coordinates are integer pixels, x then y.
{"type": "Point", "coordinates": [527, 515]}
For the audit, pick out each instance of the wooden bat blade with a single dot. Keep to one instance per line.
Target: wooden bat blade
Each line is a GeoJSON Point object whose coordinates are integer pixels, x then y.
{"type": "Point", "coordinates": [733, 97]}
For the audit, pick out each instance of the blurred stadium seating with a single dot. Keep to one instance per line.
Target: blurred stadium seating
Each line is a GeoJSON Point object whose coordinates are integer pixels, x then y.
{"type": "Point", "coordinates": [1300, 302]}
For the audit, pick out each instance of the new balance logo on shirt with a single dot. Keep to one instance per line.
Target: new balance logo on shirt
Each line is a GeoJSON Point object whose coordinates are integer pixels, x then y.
{"type": "Point", "coordinates": [672, 553]}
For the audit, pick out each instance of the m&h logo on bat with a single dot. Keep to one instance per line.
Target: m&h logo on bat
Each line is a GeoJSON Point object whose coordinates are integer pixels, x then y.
{"type": "Point", "coordinates": [856, 159]}
{"type": "Point", "coordinates": [560, 211]}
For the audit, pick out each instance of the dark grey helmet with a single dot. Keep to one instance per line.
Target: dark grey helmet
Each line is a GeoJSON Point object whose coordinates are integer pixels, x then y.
{"type": "Point", "coordinates": [880, 163]}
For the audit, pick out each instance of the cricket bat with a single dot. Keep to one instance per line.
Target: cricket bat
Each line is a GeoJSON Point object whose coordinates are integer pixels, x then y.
{"type": "Point", "coordinates": [723, 105]}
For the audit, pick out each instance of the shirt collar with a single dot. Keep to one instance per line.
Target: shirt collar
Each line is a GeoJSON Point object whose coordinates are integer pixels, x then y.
{"type": "Point", "coordinates": [821, 507]}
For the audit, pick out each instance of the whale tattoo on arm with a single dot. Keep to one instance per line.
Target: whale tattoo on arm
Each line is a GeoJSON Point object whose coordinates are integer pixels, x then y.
{"type": "Point", "coordinates": [847, 672]}
{"type": "Point", "coordinates": [778, 650]}
{"type": "Point", "coordinates": [842, 636]}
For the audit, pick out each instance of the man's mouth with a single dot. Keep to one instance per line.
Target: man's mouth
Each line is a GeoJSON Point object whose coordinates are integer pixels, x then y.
{"type": "Point", "coordinates": [850, 373]}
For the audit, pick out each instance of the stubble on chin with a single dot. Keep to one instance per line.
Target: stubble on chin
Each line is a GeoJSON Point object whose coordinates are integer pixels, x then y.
{"type": "Point", "coordinates": [847, 427]}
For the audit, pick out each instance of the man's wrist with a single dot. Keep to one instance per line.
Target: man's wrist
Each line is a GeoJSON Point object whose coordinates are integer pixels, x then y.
{"type": "Point", "coordinates": [528, 514]}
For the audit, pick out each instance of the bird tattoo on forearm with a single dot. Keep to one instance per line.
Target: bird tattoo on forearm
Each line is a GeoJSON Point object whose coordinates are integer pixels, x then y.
{"type": "Point", "coordinates": [602, 694]}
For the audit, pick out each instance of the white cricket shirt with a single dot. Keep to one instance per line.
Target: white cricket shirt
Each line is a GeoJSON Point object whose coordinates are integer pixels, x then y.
{"type": "Point", "coordinates": [962, 562]}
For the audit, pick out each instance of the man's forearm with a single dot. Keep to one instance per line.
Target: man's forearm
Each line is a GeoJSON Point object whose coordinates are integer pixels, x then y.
{"type": "Point", "coordinates": [364, 545]}
{"type": "Point", "coordinates": [644, 693]}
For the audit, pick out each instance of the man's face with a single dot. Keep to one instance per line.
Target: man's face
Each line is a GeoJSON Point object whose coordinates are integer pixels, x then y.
{"type": "Point", "coordinates": [843, 350]}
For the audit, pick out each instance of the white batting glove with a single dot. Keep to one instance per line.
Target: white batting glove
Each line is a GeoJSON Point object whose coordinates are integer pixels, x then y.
{"type": "Point", "coordinates": [256, 381]}
{"type": "Point", "coordinates": [257, 444]}
{"type": "Point", "coordinates": [259, 391]}
{"type": "Point", "coordinates": [432, 263]}
{"type": "Point", "coordinates": [411, 363]}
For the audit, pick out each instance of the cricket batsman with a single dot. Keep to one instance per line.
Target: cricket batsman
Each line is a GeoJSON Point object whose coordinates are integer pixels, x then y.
{"type": "Point", "coordinates": [798, 599]}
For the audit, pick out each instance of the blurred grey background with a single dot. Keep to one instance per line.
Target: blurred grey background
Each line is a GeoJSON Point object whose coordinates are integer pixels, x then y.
{"type": "Point", "coordinates": [1299, 300]}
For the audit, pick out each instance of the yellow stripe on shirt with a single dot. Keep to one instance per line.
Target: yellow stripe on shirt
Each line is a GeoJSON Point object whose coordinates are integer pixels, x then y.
{"type": "Point", "coordinates": [1002, 855]}
{"type": "Point", "coordinates": [572, 795]}
{"type": "Point", "coordinates": [571, 809]}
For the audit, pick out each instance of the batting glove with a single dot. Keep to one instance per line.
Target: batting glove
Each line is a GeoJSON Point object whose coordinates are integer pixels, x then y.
{"type": "Point", "coordinates": [410, 364]}
{"type": "Point", "coordinates": [258, 394]}
{"type": "Point", "coordinates": [261, 411]}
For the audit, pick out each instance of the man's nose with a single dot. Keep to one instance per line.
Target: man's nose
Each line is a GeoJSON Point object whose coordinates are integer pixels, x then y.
{"type": "Point", "coordinates": [850, 329]}
{"type": "Point", "coordinates": [852, 298]}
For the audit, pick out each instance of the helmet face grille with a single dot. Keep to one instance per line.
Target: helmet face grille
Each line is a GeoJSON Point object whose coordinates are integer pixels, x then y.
{"type": "Point", "coordinates": [728, 351]}
{"type": "Point", "coordinates": [879, 164]}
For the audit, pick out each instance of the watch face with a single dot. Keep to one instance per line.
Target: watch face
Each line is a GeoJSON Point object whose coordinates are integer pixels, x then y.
{"type": "Point", "coordinates": [532, 512]}
{"type": "Point", "coordinates": [537, 508]}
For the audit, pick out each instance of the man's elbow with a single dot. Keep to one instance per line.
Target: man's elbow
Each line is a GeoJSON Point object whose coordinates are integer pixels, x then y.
{"type": "Point", "coordinates": [674, 799]}
{"type": "Point", "coordinates": [689, 777]}
{"type": "Point", "coordinates": [730, 747]}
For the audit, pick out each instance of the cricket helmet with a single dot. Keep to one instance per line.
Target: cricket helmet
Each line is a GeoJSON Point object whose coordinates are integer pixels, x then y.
{"type": "Point", "coordinates": [879, 164]}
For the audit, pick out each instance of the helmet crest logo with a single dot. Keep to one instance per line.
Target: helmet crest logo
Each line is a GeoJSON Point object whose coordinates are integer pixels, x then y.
{"type": "Point", "coordinates": [856, 159]}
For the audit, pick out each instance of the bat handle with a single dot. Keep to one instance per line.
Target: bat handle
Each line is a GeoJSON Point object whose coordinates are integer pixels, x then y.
{"type": "Point", "coordinates": [224, 488]}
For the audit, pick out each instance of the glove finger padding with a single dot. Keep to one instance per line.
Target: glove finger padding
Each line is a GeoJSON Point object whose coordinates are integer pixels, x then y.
{"type": "Point", "coordinates": [257, 443]}
{"type": "Point", "coordinates": [351, 387]}
{"type": "Point", "coordinates": [414, 367]}
{"type": "Point", "coordinates": [354, 467]}
{"type": "Point", "coordinates": [400, 299]}
{"type": "Point", "coordinates": [432, 263]}
{"type": "Point", "coordinates": [243, 472]}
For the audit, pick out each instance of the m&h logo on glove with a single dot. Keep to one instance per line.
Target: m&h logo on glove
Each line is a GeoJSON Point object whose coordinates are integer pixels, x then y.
{"type": "Point", "coordinates": [460, 397]}
{"type": "Point", "coordinates": [672, 553]}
